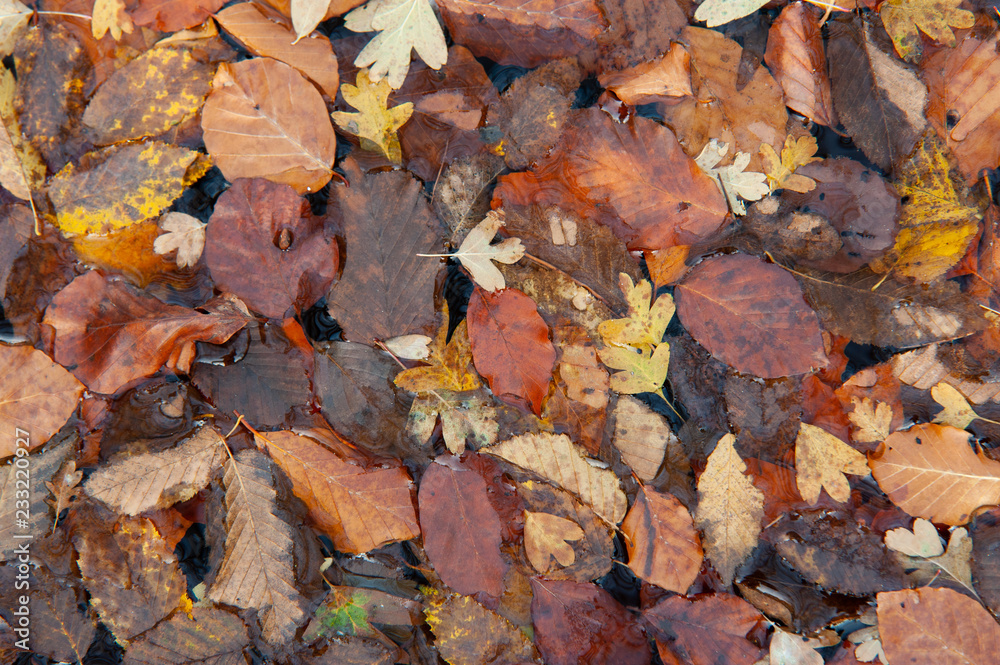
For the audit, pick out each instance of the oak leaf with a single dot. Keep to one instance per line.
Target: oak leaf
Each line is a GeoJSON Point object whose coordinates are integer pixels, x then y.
{"type": "Point", "coordinates": [466, 633]}
{"type": "Point", "coordinates": [729, 509]}
{"type": "Point", "coordinates": [448, 363]}
{"type": "Point", "coordinates": [931, 471]}
{"type": "Point", "coordinates": [375, 123]}
{"type": "Point", "coordinates": [477, 254]}
{"type": "Point", "coordinates": [821, 460]}
{"type": "Point", "coordinates": [264, 119]}
{"type": "Point", "coordinates": [403, 25]}
{"type": "Point", "coordinates": [146, 481]}
{"type": "Point", "coordinates": [781, 171]}
{"type": "Point", "coordinates": [511, 347]}
{"type": "Point", "coordinates": [37, 396]}
{"type": "Point", "coordinates": [733, 180]}
{"type": "Point", "coordinates": [546, 537]}
{"type": "Point", "coordinates": [184, 233]}
{"type": "Point", "coordinates": [873, 420]}
{"type": "Point", "coordinates": [663, 546]}
{"type": "Point", "coordinates": [935, 18]}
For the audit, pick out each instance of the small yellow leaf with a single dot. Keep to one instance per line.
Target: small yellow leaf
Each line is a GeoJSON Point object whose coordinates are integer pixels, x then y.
{"type": "Point", "coordinates": [957, 411]}
{"type": "Point", "coordinates": [110, 15]}
{"type": "Point", "coordinates": [821, 460]}
{"type": "Point", "coordinates": [872, 420]}
{"type": "Point", "coordinates": [935, 18]}
{"type": "Point", "coordinates": [645, 325]}
{"type": "Point", "coordinates": [546, 537]}
{"type": "Point", "coordinates": [642, 371]}
{"type": "Point", "coordinates": [375, 124]}
{"type": "Point", "coordinates": [781, 171]}
{"type": "Point", "coordinates": [448, 365]}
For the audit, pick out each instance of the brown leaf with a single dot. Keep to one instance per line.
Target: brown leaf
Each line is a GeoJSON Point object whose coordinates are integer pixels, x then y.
{"type": "Point", "coordinates": [580, 622]}
{"type": "Point", "coordinates": [512, 33]}
{"type": "Point", "coordinates": [386, 289]}
{"type": "Point", "coordinates": [265, 120]}
{"type": "Point", "coordinates": [931, 471]}
{"type": "Point", "coordinates": [58, 628]}
{"type": "Point", "coordinates": [360, 509]}
{"type": "Point", "coordinates": [206, 634]}
{"type": "Point", "coordinates": [751, 316]}
{"type": "Point", "coordinates": [795, 57]}
{"type": "Point", "coordinates": [578, 405]}
{"type": "Point", "coordinates": [922, 369]}
{"type": "Point", "coordinates": [558, 460]}
{"type": "Point", "coordinates": [710, 629]}
{"type": "Point", "coordinates": [511, 347]}
{"type": "Point", "coordinates": [142, 482]}
{"type": "Point", "coordinates": [14, 499]}
{"type": "Point", "coordinates": [461, 529]}
{"type": "Point", "coordinates": [985, 530]}
{"type": "Point", "coordinates": [466, 633]}
{"type": "Point", "coordinates": [547, 537]}
{"type": "Point", "coordinates": [313, 56]}
{"type": "Point", "coordinates": [642, 437]}
{"type": "Point", "coordinates": [174, 15]}
{"type": "Point", "coordinates": [631, 177]}
{"type": "Point", "coordinates": [915, 623]}
{"type": "Point", "coordinates": [112, 334]}
{"type": "Point", "coordinates": [873, 420]}
{"type": "Point", "coordinates": [648, 82]}
{"type": "Point", "coordinates": [37, 397]}
{"type": "Point", "coordinates": [259, 568]}
{"type": "Point", "coordinates": [663, 546]}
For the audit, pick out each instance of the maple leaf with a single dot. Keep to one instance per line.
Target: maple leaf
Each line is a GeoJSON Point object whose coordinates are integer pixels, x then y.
{"type": "Point", "coordinates": [186, 234]}
{"type": "Point", "coordinates": [546, 537]}
{"type": "Point", "coordinates": [821, 460]}
{"type": "Point", "coordinates": [402, 25]}
{"type": "Point", "coordinates": [729, 509]}
{"type": "Point", "coordinates": [872, 419]}
{"type": "Point", "coordinates": [645, 324]}
{"type": "Point", "coordinates": [110, 15]}
{"type": "Point", "coordinates": [448, 363]}
{"type": "Point", "coordinates": [935, 18]}
{"type": "Point", "coordinates": [375, 123]}
{"type": "Point", "coordinates": [732, 180]}
{"type": "Point", "coordinates": [476, 253]}
{"type": "Point", "coordinates": [781, 171]}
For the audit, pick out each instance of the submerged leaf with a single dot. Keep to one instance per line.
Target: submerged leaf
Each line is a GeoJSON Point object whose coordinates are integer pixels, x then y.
{"type": "Point", "coordinates": [375, 123]}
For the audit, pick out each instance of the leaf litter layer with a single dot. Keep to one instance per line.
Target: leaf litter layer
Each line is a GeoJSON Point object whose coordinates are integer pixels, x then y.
{"type": "Point", "coordinates": [340, 347]}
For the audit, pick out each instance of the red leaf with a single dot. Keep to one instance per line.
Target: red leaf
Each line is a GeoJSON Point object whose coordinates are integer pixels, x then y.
{"type": "Point", "coordinates": [461, 529]}
{"type": "Point", "coordinates": [751, 316]}
{"type": "Point", "coordinates": [511, 347]}
{"type": "Point", "coordinates": [710, 629]}
{"type": "Point", "coordinates": [582, 623]}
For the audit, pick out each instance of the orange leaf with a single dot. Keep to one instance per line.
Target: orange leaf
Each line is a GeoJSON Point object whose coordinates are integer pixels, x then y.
{"type": "Point", "coordinates": [795, 56]}
{"type": "Point", "coordinates": [663, 546]}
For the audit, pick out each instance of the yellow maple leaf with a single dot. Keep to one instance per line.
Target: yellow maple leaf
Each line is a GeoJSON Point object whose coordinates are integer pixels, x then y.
{"type": "Point", "coordinates": [110, 15]}
{"type": "Point", "coordinates": [937, 226]}
{"type": "Point", "coordinates": [935, 18]}
{"type": "Point", "coordinates": [448, 364]}
{"type": "Point", "coordinates": [376, 123]}
{"type": "Point", "coordinates": [821, 460]}
{"type": "Point", "coordinates": [780, 172]}
{"type": "Point", "coordinates": [645, 324]}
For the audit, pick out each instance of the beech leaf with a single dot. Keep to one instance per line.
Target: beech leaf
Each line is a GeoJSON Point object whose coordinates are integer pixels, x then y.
{"type": "Point", "coordinates": [184, 233]}
{"type": "Point", "coordinates": [821, 460]}
{"type": "Point", "coordinates": [663, 546]}
{"type": "Point", "coordinates": [37, 396]}
{"type": "Point", "coordinates": [375, 123]}
{"type": "Point", "coordinates": [402, 25]}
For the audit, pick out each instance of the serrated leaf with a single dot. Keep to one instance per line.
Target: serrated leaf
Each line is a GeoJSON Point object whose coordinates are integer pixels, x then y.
{"type": "Point", "coordinates": [872, 419]}
{"type": "Point", "coordinates": [821, 460]}
{"type": "Point", "coordinates": [184, 233]}
{"type": "Point", "coordinates": [642, 371]}
{"type": "Point", "coordinates": [935, 18]}
{"type": "Point", "coordinates": [375, 123]}
{"type": "Point", "coordinates": [729, 509]}
{"type": "Point", "coordinates": [732, 180]}
{"type": "Point", "coordinates": [146, 481]}
{"type": "Point", "coordinates": [780, 171]}
{"type": "Point", "coordinates": [466, 633]}
{"type": "Point", "coordinates": [205, 635]}
{"type": "Point", "coordinates": [402, 25]}
{"type": "Point", "coordinates": [645, 324]}
{"type": "Point", "coordinates": [477, 254]}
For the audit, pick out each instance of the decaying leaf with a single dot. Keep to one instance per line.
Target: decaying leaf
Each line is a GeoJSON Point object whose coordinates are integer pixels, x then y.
{"type": "Point", "coordinates": [821, 460]}
{"type": "Point", "coordinates": [781, 171]}
{"type": "Point", "coordinates": [935, 18]}
{"type": "Point", "coordinates": [646, 321]}
{"type": "Point", "coordinates": [110, 15]}
{"type": "Point", "coordinates": [663, 546]}
{"type": "Point", "coordinates": [733, 180]}
{"type": "Point", "coordinates": [448, 363]}
{"type": "Point", "coordinates": [923, 369]}
{"type": "Point", "coordinates": [206, 633]}
{"type": "Point", "coordinates": [641, 370]}
{"type": "Point", "coordinates": [546, 537]}
{"type": "Point", "coordinates": [463, 420]}
{"type": "Point", "coordinates": [14, 17]}
{"type": "Point", "coordinates": [36, 398]}
{"type": "Point", "coordinates": [375, 123]}
{"type": "Point", "coordinates": [872, 420]}
{"type": "Point", "coordinates": [729, 509]}
{"type": "Point", "coordinates": [466, 633]}
{"type": "Point", "coordinates": [642, 437]}
{"type": "Point", "coordinates": [402, 25]}
{"type": "Point", "coordinates": [668, 76]}
{"type": "Point", "coordinates": [710, 628]}
{"type": "Point", "coordinates": [923, 541]}
{"type": "Point", "coordinates": [719, 12]}
{"type": "Point", "coordinates": [184, 233]}
{"type": "Point", "coordinates": [557, 459]}
{"type": "Point", "coordinates": [477, 254]}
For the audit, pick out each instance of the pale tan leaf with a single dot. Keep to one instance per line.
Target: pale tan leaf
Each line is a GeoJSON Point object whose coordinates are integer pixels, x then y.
{"type": "Point", "coordinates": [790, 649]}
{"type": "Point", "coordinates": [476, 253]}
{"type": "Point", "coordinates": [463, 418]}
{"type": "Point", "coordinates": [925, 558]}
{"type": "Point", "coordinates": [923, 541]}
{"type": "Point", "coordinates": [14, 16]}
{"type": "Point", "coordinates": [719, 12]}
{"type": "Point", "coordinates": [184, 233]}
{"type": "Point", "coordinates": [921, 369]}
{"type": "Point", "coordinates": [258, 569]}
{"type": "Point", "coordinates": [110, 15]}
{"type": "Point", "coordinates": [957, 411]}
{"type": "Point", "coordinates": [663, 546]}
{"type": "Point", "coordinates": [146, 481]}
{"type": "Point", "coordinates": [546, 537]}
{"type": "Point", "coordinates": [931, 471]}
{"type": "Point", "coordinates": [361, 509]}
{"type": "Point", "coordinates": [642, 436]}
{"type": "Point", "coordinates": [411, 347]}
{"type": "Point", "coordinates": [36, 396]}
{"type": "Point", "coordinates": [732, 180]}
{"type": "Point", "coordinates": [306, 15]}
{"type": "Point", "coordinates": [402, 25]}
{"type": "Point", "coordinates": [729, 509]}
{"type": "Point", "coordinates": [821, 460]}
{"type": "Point", "coordinates": [560, 461]}
{"type": "Point", "coordinates": [872, 420]}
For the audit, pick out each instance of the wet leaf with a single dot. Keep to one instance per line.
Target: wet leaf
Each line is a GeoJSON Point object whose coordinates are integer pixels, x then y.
{"type": "Point", "coordinates": [719, 12]}
{"type": "Point", "coordinates": [511, 347]}
{"type": "Point", "coordinates": [185, 234]}
{"type": "Point", "coordinates": [821, 462]}
{"type": "Point", "coordinates": [375, 123]}
{"type": "Point", "coordinates": [15, 17]}
{"type": "Point", "coordinates": [64, 632]}
{"type": "Point", "coordinates": [38, 396]}
{"type": "Point", "coordinates": [923, 541]}
{"type": "Point", "coordinates": [647, 320]}
{"type": "Point", "coordinates": [781, 171]}
{"type": "Point", "coordinates": [461, 529]}
{"type": "Point", "coordinates": [447, 365]}
{"type": "Point", "coordinates": [466, 633]}
{"type": "Point", "coordinates": [462, 419]}
{"type": "Point", "coordinates": [734, 182]}
{"type": "Point", "coordinates": [21, 167]}
{"type": "Point", "coordinates": [403, 25]}
{"type": "Point", "coordinates": [790, 649]}
{"type": "Point", "coordinates": [795, 56]}
{"type": "Point", "coordinates": [663, 546]}
{"type": "Point", "coordinates": [729, 509]}
{"type": "Point", "coordinates": [872, 419]}
{"type": "Point", "coordinates": [207, 633]}
{"type": "Point", "coordinates": [174, 15]}
{"type": "Point", "coordinates": [642, 370]}
{"type": "Point", "coordinates": [647, 82]}
{"type": "Point", "coordinates": [546, 537]}
{"type": "Point", "coordinates": [709, 629]}
{"type": "Point", "coordinates": [477, 254]}
{"type": "Point", "coordinates": [263, 119]}
{"type": "Point", "coordinates": [45, 468]}
{"type": "Point", "coordinates": [957, 411]}
{"type": "Point", "coordinates": [110, 15]}
{"type": "Point", "coordinates": [642, 437]}
{"type": "Point", "coordinates": [935, 18]}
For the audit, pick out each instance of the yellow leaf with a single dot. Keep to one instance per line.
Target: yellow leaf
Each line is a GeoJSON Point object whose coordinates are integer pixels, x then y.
{"type": "Point", "coordinates": [645, 325]}
{"type": "Point", "coordinates": [821, 460]}
{"type": "Point", "coordinates": [781, 172]}
{"type": "Point", "coordinates": [718, 12]}
{"type": "Point", "coordinates": [129, 251]}
{"type": "Point", "coordinates": [21, 167]}
{"type": "Point", "coordinates": [729, 509]}
{"type": "Point", "coordinates": [110, 15]}
{"type": "Point", "coordinates": [937, 226]}
{"type": "Point", "coordinates": [448, 365]}
{"type": "Point", "coordinates": [957, 411]}
{"type": "Point", "coordinates": [935, 18]}
{"type": "Point", "coordinates": [872, 420]}
{"type": "Point", "coordinates": [546, 537]}
{"type": "Point", "coordinates": [642, 371]}
{"type": "Point", "coordinates": [376, 124]}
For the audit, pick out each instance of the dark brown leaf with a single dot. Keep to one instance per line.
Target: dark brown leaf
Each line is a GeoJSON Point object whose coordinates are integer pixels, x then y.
{"type": "Point", "coordinates": [208, 634]}
{"type": "Point", "coordinates": [58, 628]}
{"type": "Point", "coordinates": [708, 629]}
